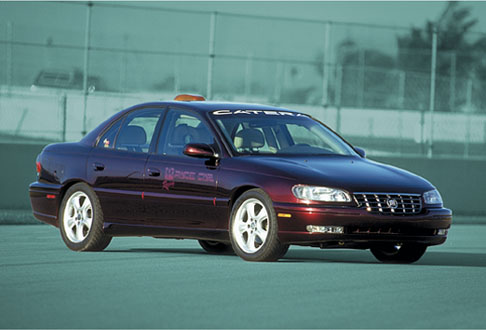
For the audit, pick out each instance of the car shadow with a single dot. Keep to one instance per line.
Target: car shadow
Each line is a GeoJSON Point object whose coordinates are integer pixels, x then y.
{"type": "Point", "coordinates": [431, 258]}
{"type": "Point", "coordinates": [174, 251]}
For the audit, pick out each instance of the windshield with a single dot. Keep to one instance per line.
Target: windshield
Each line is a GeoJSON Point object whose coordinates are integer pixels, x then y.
{"type": "Point", "coordinates": [276, 132]}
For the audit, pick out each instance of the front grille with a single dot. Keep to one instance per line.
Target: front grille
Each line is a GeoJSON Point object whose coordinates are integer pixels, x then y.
{"type": "Point", "coordinates": [390, 204]}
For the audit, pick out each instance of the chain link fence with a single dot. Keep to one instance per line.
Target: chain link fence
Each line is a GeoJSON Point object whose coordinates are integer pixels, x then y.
{"type": "Point", "coordinates": [56, 83]}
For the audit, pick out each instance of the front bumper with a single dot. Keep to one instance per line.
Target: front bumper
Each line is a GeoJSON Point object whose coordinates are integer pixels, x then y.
{"type": "Point", "coordinates": [361, 228]}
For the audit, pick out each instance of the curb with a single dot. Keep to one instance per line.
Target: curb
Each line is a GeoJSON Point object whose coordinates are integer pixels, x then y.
{"type": "Point", "coordinates": [18, 217]}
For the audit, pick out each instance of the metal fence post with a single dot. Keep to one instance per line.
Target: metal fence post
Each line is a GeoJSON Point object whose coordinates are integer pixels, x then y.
{"type": "Point", "coordinates": [9, 68]}
{"type": "Point", "coordinates": [248, 69]}
{"type": "Point", "coordinates": [123, 64]}
{"type": "Point", "coordinates": [279, 72]}
{"type": "Point", "coordinates": [211, 55]}
{"type": "Point", "coordinates": [326, 65]}
{"type": "Point", "coordinates": [177, 75]}
{"type": "Point", "coordinates": [452, 82]}
{"type": "Point", "coordinates": [361, 76]}
{"type": "Point", "coordinates": [400, 131]}
{"type": "Point", "coordinates": [339, 84]}
{"type": "Point", "coordinates": [432, 90]}
{"type": "Point", "coordinates": [468, 114]}
{"type": "Point", "coordinates": [422, 131]}
{"type": "Point", "coordinates": [87, 36]}
{"type": "Point", "coordinates": [401, 89]}
{"type": "Point", "coordinates": [64, 116]}
{"type": "Point", "coordinates": [20, 123]}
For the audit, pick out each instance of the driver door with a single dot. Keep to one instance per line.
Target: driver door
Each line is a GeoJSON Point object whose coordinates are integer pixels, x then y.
{"type": "Point", "coordinates": [180, 190]}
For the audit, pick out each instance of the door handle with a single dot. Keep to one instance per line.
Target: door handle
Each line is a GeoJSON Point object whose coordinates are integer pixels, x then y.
{"type": "Point", "coordinates": [98, 166]}
{"type": "Point", "coordinates": [153, 172]}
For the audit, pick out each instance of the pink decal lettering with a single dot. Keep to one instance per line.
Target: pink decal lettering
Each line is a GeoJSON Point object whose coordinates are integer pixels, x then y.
{"type": "Point", "coordinates": [205, 177]}
{"type": "Point", "coordinates": [167, 184]}
{"type": "Point", "coordinates": [169, 173]}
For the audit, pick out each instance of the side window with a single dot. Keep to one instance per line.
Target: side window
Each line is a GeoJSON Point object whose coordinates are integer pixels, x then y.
{"type": "Point", "coordinates": [180, 128]}
{"type": "Point", "coordinates": [255, 139]}
{"type": "Point", "coordinates": [137, 130]}
{"type": "Point", "coordinates": [108, 139]}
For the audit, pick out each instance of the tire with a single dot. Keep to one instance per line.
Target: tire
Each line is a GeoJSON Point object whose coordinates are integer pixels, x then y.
{"type": "Point", "coordinates": [253, 234]}
{"type": "Point", "coordinates": [283, 252]}
{"type": "Point", "coordinates": [405, 254]}
{"type": "Point", "coordinates": [81, 220]}
{"type": "Point", "coordinates": [214, 247]}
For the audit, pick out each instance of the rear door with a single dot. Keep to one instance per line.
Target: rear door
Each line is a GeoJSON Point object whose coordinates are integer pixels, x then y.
{"type": "Point", "coordinates": [180, 190]}
{"type": "Point", "coordinates": [116, 166]}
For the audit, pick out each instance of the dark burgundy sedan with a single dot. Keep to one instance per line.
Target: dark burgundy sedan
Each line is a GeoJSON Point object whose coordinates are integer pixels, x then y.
{"type": "Point", "coordinates": [249, 178]}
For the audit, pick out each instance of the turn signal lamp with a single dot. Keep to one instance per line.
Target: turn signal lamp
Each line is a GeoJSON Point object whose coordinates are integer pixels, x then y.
{"type": "Point", "coordinates": [38, 167]}
{"type": "Point", "coordinates": [189, 97]}
{"type": "Point", "coordinates": [442, 232]}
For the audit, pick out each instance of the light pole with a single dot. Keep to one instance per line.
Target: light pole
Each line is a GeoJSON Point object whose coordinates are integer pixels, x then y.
{"type": "Point", "coordinates": [326, 65]}
{"type": "Point", "coordinates": [86, 65]}
{"type": "Point", "coordinates": [212, 32]}
{"type": "Point", "coordinates": [433, 68]}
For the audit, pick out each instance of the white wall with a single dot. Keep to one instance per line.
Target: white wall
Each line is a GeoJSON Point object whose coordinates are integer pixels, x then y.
{"type": "Point", "coordinates": [39, 114]}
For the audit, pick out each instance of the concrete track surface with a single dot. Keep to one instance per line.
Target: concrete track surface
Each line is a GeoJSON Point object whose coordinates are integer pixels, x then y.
{"type": "Point", "coordinates": [149, 283]}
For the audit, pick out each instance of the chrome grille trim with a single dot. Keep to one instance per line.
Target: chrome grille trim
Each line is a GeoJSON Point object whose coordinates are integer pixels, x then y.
{"type": "Point", "coordinates": [378, 203]}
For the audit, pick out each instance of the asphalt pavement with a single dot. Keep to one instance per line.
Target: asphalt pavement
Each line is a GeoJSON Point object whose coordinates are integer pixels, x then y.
{"type": "Point", "coordinates": [151, 283]}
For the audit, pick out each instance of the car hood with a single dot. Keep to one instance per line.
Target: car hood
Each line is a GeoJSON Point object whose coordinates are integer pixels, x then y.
{"type": "Point", "coordinates": [351, 173]}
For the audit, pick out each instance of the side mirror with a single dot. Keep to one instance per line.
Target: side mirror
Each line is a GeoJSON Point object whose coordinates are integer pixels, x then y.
{"type": "Point", "coordinates": [199, 150]}
{"type": "Point", "coordinates": [360, 151]}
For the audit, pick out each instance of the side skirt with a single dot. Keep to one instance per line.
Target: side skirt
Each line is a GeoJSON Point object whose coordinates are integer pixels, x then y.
{"type": "Point", "coordinates": [116, 229]}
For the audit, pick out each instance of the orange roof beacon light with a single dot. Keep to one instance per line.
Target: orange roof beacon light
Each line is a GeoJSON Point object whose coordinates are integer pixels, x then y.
{"type": "Point", "coordinates": [189, 97]}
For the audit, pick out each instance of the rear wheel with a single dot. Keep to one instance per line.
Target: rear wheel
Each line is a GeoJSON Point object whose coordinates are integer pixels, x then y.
{"type": "Point", "coordinates": [401, 254]}
{"type": "Point", "coordinates": [215, 247]}
{"type": "Point", "coordinates": [81, 220]}
{"type": "Point", "coordinates": [253, 228]}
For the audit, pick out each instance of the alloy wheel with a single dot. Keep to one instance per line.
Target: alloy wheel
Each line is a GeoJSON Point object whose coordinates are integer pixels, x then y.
{"type": "Point", "coordinates": [251, 225]}
{"type": "Point", "coordinates": [78, 217]}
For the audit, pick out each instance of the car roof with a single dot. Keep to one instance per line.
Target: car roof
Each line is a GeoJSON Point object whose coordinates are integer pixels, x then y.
{"type": "Point", "coordinates": [205, 106]}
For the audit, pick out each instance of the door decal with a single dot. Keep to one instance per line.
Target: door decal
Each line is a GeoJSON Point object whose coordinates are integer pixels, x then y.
{"type": "Point", "coordinates": [172, 174]}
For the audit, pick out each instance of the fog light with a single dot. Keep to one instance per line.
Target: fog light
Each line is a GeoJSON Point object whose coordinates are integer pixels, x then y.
{"type": "Point", "coordinates": [442, 232]}
{"type": "Point", "coordinates": [325, 229]}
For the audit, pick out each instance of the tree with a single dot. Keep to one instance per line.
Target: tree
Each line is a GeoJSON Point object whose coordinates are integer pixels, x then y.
{"type": "Point", "coordinates": [459, 57]}
{"type": "Point", "coordinates": [365, 72]}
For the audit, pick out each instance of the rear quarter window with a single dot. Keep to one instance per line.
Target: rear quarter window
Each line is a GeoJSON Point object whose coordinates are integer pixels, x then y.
{"type": "Point", "coordinates": [107, 140]}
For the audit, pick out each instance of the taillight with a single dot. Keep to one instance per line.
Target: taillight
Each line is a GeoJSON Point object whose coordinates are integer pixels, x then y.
{"type": "Point", "coordinates": [38, 167]}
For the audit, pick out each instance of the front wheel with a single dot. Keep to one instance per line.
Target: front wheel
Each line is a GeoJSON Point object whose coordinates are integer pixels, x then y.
{"type": "Point", "coordinates": [401, 254]}
{"type": "Point", "coordinates": [81, 220]}
{"type": "Point", "coordinates": [253, 228]}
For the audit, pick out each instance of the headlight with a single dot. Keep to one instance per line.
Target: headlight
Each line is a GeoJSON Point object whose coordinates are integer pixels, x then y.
{"type": "Point", "coordinates": [323, 194]}
{"type": "Point", "coordinates": [432, 197]}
